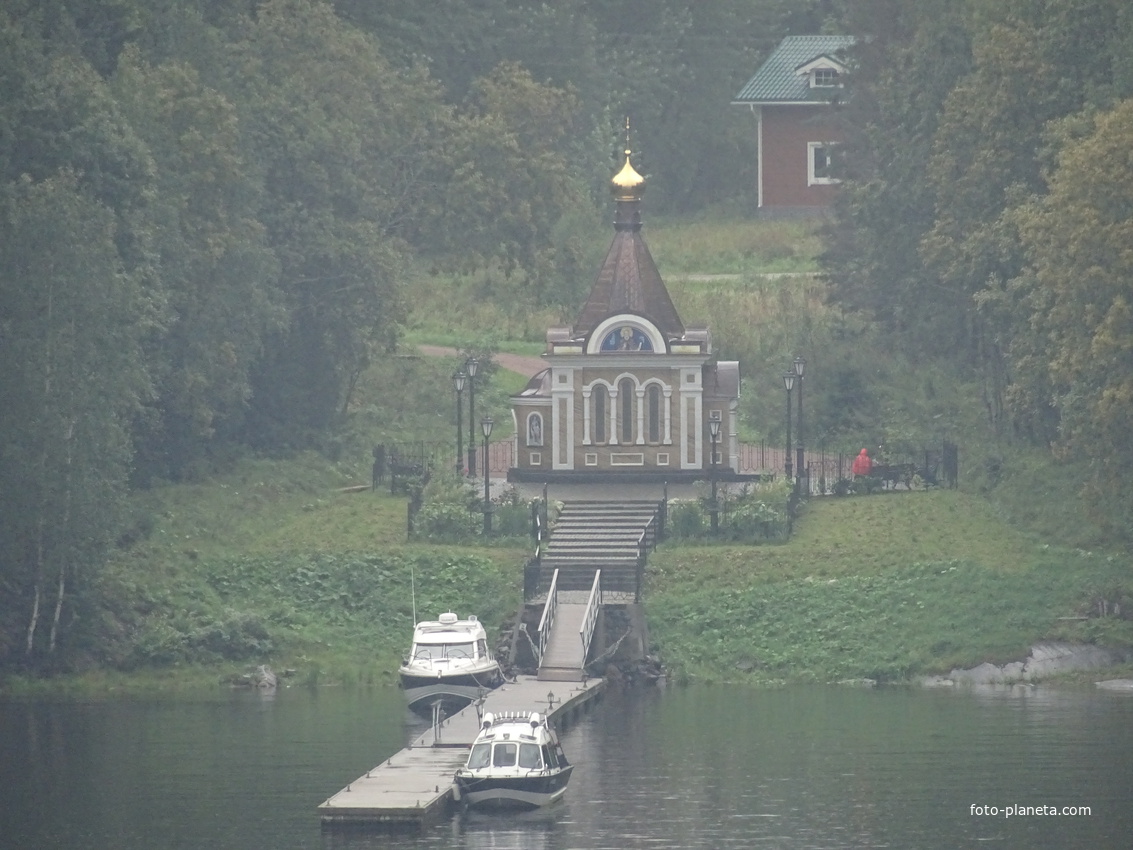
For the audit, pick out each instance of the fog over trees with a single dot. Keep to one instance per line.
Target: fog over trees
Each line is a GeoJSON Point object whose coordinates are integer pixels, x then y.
{"type": "Point", "coordinates": [986, 211]}
{"type": "Point", "coordinates": [208, 209]}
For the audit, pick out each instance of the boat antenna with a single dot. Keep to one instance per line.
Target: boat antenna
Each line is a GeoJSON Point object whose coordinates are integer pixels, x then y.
{"type": "Point", "coordinates": [413, 592]}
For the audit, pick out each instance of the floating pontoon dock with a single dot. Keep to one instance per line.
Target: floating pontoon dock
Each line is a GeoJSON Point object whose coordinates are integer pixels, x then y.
{"type": "Point", "coordinates": [415, 786]}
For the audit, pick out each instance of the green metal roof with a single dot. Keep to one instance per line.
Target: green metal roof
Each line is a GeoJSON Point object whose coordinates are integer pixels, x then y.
{"type": "Point", "coordinates": [778, 80]}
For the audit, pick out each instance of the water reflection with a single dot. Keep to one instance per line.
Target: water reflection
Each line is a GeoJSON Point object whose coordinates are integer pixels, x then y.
{"type": "Point", "coordinates": [488, 831]}
{"type": "Point", "coordinates": [706, 767]}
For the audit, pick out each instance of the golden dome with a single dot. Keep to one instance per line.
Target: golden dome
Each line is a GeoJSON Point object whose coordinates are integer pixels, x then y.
{"type": "Point", "coordinates": [627, 184]}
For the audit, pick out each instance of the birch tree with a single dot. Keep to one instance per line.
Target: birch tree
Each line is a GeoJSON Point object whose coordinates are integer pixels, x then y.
{"type": "Point", "coordinates": [71, 380]}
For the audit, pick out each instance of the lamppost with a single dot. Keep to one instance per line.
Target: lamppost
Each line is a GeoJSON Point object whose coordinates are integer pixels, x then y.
{"type": "Point", "coordinates": [714, 433]}
{"type": "Point", "coordinates": [471, 365]}
{"type": "Point", "coordinates": [458, 379]}
{"type": "Point", "coordinates": [800, 468]}
{"type": "Point", "coordinates": [486, 426]}
{"type": "Point", "coordinates": [788, 385]}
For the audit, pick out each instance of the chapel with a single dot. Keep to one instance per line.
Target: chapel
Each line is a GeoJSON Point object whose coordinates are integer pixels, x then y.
{"type": "Point", "coordinates": [629, 392]}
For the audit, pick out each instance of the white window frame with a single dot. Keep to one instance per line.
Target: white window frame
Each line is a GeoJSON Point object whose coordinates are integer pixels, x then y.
{"type": "Point", "coordinates": [825, 77]}
{"type": "Point", "coordinates": [813, 179]}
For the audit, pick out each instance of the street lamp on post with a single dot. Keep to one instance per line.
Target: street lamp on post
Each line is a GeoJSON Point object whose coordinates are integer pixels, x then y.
{"type": "Point", "coordinates": [714, 433]}
{"type": "Point", "coordinates": [458, 380]}
{"type": "Point", "coordinates": [788, 385]}
{"type": "Point", "coordinates": [471, 365]}
{"type": "Point", "coordinates": [486, 427]}
{"type": "Point", "coordinates": [800, 468]}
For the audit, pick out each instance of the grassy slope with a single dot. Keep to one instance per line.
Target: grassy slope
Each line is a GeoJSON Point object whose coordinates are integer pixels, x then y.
{"type": "Point", "coordinates": [883, 587]}
{"type": "Point", "coordinates": [277, 562]}
{"type": "Point", "coordinates": [732, 246]}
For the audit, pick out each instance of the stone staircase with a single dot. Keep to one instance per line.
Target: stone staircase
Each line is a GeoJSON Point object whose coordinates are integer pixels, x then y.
{"type": "Point", "coordinates": [591, 535]}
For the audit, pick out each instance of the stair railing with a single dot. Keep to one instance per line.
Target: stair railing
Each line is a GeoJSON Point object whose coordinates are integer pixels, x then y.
{"type": "Point", "coordinates": [547, 621]}
{"type": "Point", "coordinates": [532, 572]}
{"type": "Point", "coordinates": [590, 617]}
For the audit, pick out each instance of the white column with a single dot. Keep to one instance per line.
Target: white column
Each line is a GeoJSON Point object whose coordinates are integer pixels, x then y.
{"type": "Point", "coordinates": [613, 441]}
{"type": "Point", "coordinates": [640, 393]}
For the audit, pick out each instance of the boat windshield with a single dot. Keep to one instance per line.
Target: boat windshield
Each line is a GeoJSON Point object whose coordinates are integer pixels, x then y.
{"type": "Point", "coordinates": [503, 755]}
{"type": "Point", "coordinates": [480, 756]}
{"type": "Point", "coordinates": [529, 756]}
{"type": "Point", "coordinates": [434, 651]}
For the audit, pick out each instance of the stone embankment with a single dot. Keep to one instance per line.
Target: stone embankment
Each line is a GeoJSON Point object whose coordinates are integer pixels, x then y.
{"type": "Point", "coordinates": [1045, 660]}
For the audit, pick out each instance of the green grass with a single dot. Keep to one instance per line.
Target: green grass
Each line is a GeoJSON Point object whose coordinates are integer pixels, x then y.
{"type": "Point", "coordinates": [486, 307]}
{"type": "Point", "coordinates": [884, 587]}
{"type": "Point", "coordinates": [275, 562]}
{"type": "Point", "coordinates": [732, 246]}
{"type": "Point", "coordinates": [457, 340]}
{"type": "Point", "coordinates": [503, 312]}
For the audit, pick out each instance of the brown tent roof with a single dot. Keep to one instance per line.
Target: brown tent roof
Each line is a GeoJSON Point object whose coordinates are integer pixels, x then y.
{"type": "Point", "coordinates": [629, 282]}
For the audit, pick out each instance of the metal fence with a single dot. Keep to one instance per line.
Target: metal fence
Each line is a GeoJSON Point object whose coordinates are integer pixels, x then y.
{"type": "Point", "coordinates": [823, 468]}
{"type": "Point", "coordinates": [413, 458]}
{"type": "Point", "coordinates": [931, 465]}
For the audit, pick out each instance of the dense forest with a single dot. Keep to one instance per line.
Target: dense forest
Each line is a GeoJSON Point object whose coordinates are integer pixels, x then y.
{"type": "Point", "coordinates": [209, 212]}
{"type": "Point", "coordinates": [988, 212]}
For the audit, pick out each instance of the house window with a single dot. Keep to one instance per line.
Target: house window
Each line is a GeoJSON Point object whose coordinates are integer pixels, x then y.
{"type": "Point", "coordinates": [824, 78]}
{"type": "Point", "coordinates": [653, 413]}
{"type": "Point", "coordinates": [821, 159]}
{"type": "Point", "coordinates": [601, 399]}
{"type": "Point", "coordinates": [626, 394]}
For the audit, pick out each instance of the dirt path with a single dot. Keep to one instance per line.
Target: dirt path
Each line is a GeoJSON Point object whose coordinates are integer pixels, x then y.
{"type": "Point", "coordinates": [526, 366]}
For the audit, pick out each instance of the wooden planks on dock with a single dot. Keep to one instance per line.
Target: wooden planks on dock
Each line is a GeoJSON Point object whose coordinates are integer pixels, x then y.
{"type": "Point", "coordinates": [414, 786]}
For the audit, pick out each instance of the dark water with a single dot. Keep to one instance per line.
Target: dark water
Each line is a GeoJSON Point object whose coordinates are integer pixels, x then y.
{"type": "Point", "coordinates": [703, 767]}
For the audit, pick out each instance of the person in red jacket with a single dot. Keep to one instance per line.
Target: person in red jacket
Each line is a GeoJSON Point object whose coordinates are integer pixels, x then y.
{"type": "Point", "coordinates": [862, 464]}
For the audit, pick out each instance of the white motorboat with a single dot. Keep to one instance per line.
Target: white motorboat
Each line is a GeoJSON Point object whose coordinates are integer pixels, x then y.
{"type": "Point", "coordinates": [516, 761]}
{"type": "Point", "coordinates": [449, 665]}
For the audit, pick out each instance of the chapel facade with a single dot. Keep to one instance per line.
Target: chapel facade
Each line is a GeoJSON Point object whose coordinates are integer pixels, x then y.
{"type": "Point", "coordinates": [629, 392]}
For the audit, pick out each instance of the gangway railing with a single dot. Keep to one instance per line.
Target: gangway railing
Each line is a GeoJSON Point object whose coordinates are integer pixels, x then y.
{"type": "Point", "coordinates": [646, 542]}
{"type": "Point", "coordinates": [547, 621]}
{"type": "Point", "coordinates": [590, 618]}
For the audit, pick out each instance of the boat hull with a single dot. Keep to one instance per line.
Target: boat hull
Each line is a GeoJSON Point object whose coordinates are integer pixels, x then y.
{"type": "Point", "coordinates": [454, 692]}
{"type": "Point", "coordinates": [514, 792]}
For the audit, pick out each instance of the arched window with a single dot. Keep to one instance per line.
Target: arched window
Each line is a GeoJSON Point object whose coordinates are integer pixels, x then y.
{"type": "Point", "coordinates": [601, 398]}
{"type": "Point", "coordinates": [653, 413]}
{"type": "Point", "coordinates": [626, 393]}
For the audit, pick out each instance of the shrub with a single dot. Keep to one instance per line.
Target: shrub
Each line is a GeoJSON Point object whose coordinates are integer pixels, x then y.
{"type": "Point", "coordinates": [441, 522]}
{"type": "Point", "coordinates": [687, 521]}
{"type": "Point", "coordinates": [751, 520]}
{"type": "Point", "coordinates": [452, 512]}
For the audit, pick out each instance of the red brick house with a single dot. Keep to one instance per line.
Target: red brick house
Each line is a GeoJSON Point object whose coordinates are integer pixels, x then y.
{"type": "Point", "coordinates": [793, 96]}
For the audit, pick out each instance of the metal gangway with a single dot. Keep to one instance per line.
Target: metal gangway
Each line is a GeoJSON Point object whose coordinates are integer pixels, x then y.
{"type": "Point", "coordinates": [566, 631]}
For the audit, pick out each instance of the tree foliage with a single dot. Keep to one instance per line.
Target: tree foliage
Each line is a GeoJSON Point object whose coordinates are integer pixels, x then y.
{"type": "Point", "coordinates": [1073, 304]}
{"type": "Point", "coordinates": [965, 224]}
{"type": "Point", "coordinates": [217, 274]}
{"type": "Point", "coordinates": [210, 212]}
{"type": "Point", "coordinates": [338, 137]}
{"type": "Point", "coordinates": [72, 378]}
